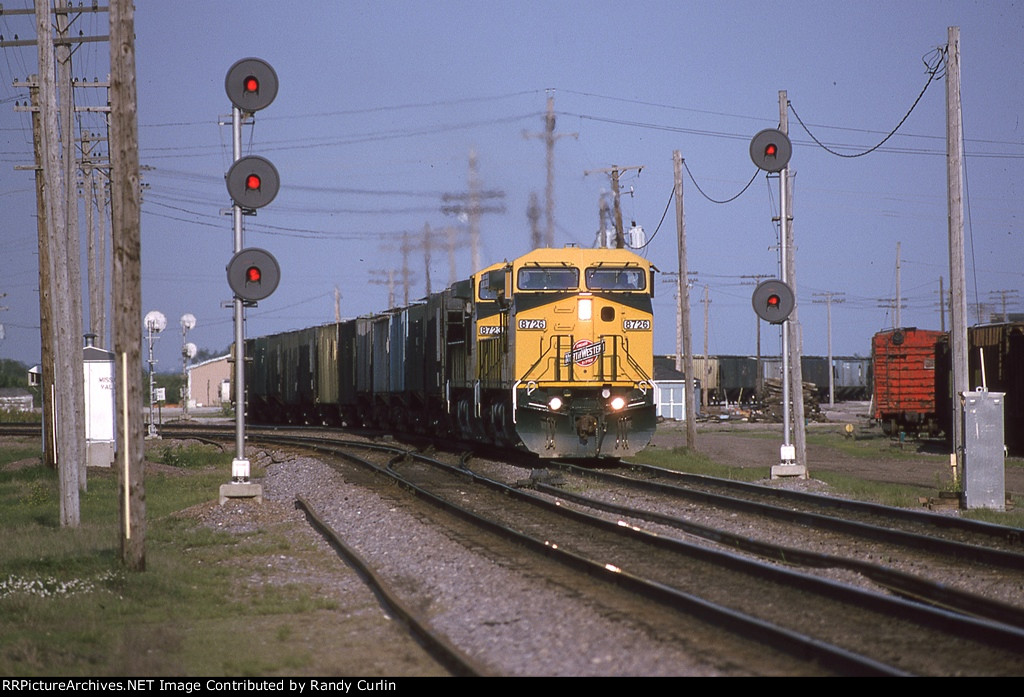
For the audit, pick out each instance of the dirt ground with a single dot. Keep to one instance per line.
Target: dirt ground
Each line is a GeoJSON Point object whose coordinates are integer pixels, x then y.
{"type": "Point", "coordinates": [743, 444]}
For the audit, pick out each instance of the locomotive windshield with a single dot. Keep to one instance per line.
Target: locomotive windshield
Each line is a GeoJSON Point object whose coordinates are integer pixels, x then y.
{"type": "Point", "coordinates": [548, 278]}
{"type": "Point", "coordinates": [615, 278]}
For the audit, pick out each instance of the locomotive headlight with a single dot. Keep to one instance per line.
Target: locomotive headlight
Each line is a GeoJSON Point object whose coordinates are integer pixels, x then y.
{"type": "Point", "coordinates": [585, 309]}
{"type": "Point", "coordinates": [555, 403]}
{"type": "Point", "coordinates": [617, 403]}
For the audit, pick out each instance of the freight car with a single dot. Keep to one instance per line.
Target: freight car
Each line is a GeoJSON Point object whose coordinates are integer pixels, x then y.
{"type": "Point", "coordinates": [552, 352]}
{"type": "Point", "coordinates": [904, 364]}
{"type": "Point", "coordinates": [854, 378]}
{"type": "Point", "coordinates": [851, 376]}
{"type": "Point", "coordinates": [995, 360]}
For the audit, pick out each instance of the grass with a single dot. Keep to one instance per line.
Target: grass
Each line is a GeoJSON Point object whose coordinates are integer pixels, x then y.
{"type": "Point", "coordinates": [683, 460]}
{"type": "Point", "coordinates": [68, 607]}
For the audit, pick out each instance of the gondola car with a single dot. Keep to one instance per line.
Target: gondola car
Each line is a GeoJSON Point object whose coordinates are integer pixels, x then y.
{"type": "Point", "coordinates": [904, 361]}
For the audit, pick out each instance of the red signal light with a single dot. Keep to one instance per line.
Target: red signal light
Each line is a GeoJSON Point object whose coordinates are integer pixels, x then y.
{"type": "Point", "coordinates": [774, 300]}
{"type": "Point", "coordinates": [771, 150]}
{"type": "Point", "coordinates": [253, 274]}
{"type": "Point", "coordinates": [252, 182]}
{"type": "Point", "coordinates": [251, 84]}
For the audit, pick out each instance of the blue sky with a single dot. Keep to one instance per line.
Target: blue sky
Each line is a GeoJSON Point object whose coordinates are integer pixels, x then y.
{"type": "Point", "coordinates": [380, 104]}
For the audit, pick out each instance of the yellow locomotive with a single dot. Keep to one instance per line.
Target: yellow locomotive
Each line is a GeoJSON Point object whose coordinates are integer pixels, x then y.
{"type": "Point", "coordinates": [564, 344]}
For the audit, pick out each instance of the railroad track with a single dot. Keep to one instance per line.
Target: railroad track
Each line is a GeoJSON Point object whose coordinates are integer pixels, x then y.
{"type": "Point", "coordinates": [880, 542]}
{"type": "Point", "coordinates": [856, 631]}
{"type": "Point", "coordinates": [848, 630]}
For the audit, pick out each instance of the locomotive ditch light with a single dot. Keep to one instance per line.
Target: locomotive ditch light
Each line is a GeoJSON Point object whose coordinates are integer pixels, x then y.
{"type": "Point", "coordinates": [555, 403]}
{"type": "Point", "coordinates": [617, 403]}
{"type": "Point", "coordinates": [770, 150]}
{"type": "Point", "coordinates": [773, 301]}
{"type": "Point", "coordinates": [251, 84]}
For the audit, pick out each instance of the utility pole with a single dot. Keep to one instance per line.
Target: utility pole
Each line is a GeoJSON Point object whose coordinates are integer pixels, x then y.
{"type": "Point", "coordinates": [1004, 297]}
{"type": "Point", "coordinates": [57, 211]}
{"type": "Point", "coordinates": [385, 278]}
{"type": "Point", "coordinates": [620, 240]}
{"type": "Point", "coordinates": [69, 398]}
{"type": "Point", "coordinates": [450, 235]}
{"type": "Point", "coordinates": [683, 294]}
{"type": "Point", "coordinates": [957, 275]}
{"type": "Point", "coordinates": [75, 366]}
{"type": "Point", "coordinates": [897, 318]}
{"type": "Point", "coordinates": [46, 384]}
{"type": "Point", "coordinates": [126, 281]}
{"type": "Point", "coordinates": [471, 207]}
{"type": "Point", "coordinates": [95, 201]}
{"type": "Point", "coordinates": [830, 298]}
{"type": "Point", "coordinates": [533, 215]}
{"type": "Point", "coordinates": [707, 362]}
{"type": "Point", "coordinates": [406, 247]}
{"type": "Point", "coordinates": [549, 137]}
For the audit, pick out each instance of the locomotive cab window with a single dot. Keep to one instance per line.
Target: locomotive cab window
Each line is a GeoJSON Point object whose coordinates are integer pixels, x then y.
{"type": "Point", "coordinates": [616, 278]}
{"type": "Point", "coordinates": [548, 278]}
{"type": "Point", "coordinates": [492, 285]}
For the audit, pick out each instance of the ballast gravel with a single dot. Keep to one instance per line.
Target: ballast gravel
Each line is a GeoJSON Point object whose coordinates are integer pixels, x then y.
{"type": "Point", "coordinates": [509, 619]}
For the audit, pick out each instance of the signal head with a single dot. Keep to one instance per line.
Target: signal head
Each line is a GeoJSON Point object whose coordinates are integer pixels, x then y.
{"type": "Point", "coordinates": [251, 84]}
{"type": "Point", "coordinates": [253, 274]}
{"type": "Point", "coordinates": [773, 301]}
{"type": "Point", "coordinates": [253, 181]}
{"type": "Point", "coordinates": [770, 150]}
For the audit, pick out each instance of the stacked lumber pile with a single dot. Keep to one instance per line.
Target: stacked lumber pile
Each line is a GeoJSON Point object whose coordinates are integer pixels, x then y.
{"type": "Point", "coordinates": [771, 402]}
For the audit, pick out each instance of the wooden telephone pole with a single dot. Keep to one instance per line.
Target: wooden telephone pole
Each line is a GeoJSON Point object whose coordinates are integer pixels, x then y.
{"type": "Point", "coordinates": [470, 205]}
{"type": "Point", "coordinates": [614, 172]}
{"type": "Point", "coordinates": [957, 274]}
{"type": "Point", "coordinates": [126, 203]}
{"type": "Point", "coordinates": [549, 138]}
{"type": "Point", "coordinates": [68, 379]}
{"type": "Point", "coordinates": [684, 308]}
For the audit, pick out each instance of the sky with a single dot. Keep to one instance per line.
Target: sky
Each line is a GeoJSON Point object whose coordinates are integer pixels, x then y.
{"type": "Point", "coordinates": [381, 104]}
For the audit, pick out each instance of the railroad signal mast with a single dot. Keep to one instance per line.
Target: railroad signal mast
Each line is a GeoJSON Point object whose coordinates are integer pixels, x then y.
{"type": "Point", "coordinates": [773, 300]}
{"type": "Point", "coordinates": [253, 274]}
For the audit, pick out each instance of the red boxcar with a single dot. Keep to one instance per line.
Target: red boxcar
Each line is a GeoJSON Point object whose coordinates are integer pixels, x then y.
{"type": "Point", "coordinates": [904, 380]}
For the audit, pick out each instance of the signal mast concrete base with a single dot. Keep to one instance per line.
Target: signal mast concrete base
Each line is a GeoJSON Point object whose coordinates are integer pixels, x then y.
{"type": "Point", "coordinates": [788, 467]}
{"type": "Point", "coordinates": [241, 490]}
{"type": "Point", "coordinates": [240, 487]}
